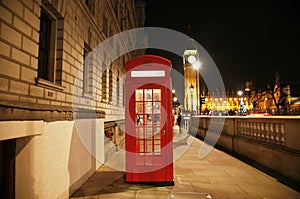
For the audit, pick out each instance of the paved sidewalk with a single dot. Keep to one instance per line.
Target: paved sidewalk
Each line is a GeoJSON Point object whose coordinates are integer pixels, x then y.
{"type": "Point", "coordinates": [217, 176]}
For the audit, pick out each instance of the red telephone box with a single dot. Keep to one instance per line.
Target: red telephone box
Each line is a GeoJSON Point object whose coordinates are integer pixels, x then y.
{"type": "Point", "coordinates": [149, 126]}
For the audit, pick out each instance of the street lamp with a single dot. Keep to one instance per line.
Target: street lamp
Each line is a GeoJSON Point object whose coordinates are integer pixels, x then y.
{"type": "Point", "coordinates": [196, 65]}
{"type": "Point", "coordinates": [265, 103]}
{"type": "Point", "coordinates": [241, 106]}
{"type": "Point", "coordinates": [240, 93]}
{"type": "Point", "coordinates": [175, 99]}
{"type": "Point", "coordinates": [192, 92]}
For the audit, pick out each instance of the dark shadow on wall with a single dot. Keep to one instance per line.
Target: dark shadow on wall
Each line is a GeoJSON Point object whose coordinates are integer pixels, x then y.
{"type": "Point", "coordinates": [26, 165]}
{"type": "Point", "coordinates": [7, 168]}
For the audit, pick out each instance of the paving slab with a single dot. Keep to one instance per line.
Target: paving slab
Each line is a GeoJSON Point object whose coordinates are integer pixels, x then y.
{"type": "Point", "coordinates": [216, 176]}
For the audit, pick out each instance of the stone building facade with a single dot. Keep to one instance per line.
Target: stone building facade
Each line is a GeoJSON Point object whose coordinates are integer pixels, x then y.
{"type": "Point", "coordinates": [58, 95]}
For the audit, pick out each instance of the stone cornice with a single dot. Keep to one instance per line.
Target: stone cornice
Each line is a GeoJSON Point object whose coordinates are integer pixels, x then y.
{"type": "Point", "coordinates": [10, 110]}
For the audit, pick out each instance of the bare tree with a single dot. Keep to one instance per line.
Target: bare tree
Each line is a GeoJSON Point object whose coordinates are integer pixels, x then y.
{"type": "Point", "coordinates": [257, 98]}
{"type": "Point", "coordinates": [278, 96]}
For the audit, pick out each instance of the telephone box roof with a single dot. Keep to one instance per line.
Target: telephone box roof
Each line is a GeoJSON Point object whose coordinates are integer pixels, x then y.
{"type": "Point", "coordinates": [145, 59]}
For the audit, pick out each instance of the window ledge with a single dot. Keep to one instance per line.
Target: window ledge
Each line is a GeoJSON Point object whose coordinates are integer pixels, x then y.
{"type": "Point", "coordinates": [48, 84]}
{"type": "Point", "coordinates": [88, 95]}
{"type": "Point", "coordinates": [104, 101]}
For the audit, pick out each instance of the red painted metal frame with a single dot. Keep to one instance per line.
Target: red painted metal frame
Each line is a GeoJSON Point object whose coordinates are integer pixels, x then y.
{"type": "Point", "coordinates": [161, 168]}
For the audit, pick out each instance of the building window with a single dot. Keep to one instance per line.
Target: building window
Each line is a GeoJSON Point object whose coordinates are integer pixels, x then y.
{"type": "Point", "coordinates": [118, 91]}
{"type": "Point", "coordinates": [107, 85]}
{"type": "Point", "coordinates": [110, 85]}
{"type": "Point", "coordinates": [46, 61]}
{"type": "Point", "coordinates": [104, 86]}
{"type": "Point", "coordinates": [111, 31]}
{"type": "Point", "coordinates": [87, 70]}
{"type": "Point", "coordinates": [123, 101]}
{"type": "Point", "coordinates": [50, 49]}
{"type": "Point", "coordinates": [90, 5]}
{"type": "Point", "coordinates": [104, 25]}
{"type": "Point", "coordinates": [116, 8]}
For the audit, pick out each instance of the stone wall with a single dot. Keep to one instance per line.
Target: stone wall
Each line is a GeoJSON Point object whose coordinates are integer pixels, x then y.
{"type": "Point", "coordinates": [57, 163]}
{"type": "Point", "coordinates": [40, 110]}
{"type": "Point", "coordinates": [269, 141]}
{"type": "Point", "coordinates": [76, 27]}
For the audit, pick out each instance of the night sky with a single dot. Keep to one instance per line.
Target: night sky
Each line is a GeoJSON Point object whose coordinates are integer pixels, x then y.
{"type": "Point", "coordinates": [246, 39]}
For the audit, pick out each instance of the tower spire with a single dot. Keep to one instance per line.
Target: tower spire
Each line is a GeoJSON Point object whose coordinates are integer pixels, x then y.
{"type": "Point", "coordinates": [190, 33]}
{"type": "Point", "coordinates": [277, 76]}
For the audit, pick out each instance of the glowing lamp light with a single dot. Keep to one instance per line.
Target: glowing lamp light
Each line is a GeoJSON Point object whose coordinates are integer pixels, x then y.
{"type": "Point", "coordinates": [240, 93]}
{"type": "Point", "coordinates": [192, 59]}
{"type": "Point", "coordinates": [197, 65]}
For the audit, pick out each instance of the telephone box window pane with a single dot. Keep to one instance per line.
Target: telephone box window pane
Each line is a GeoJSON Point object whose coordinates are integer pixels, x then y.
{"type": "Point", "coordinates": [156, 107]}
{"type": "Point", "coordinates": [138, 120]}
{"type": "Point", "coordinates": [156, 120]}
{"type": "Point", "coordinates": [142, 147]}
{"type": "Point", "coordinates": [143, 120]}
{"type": "Point", "coordinates": [148, 120]}
{"type": "Point", "coordinates": [139, 95]}
{"type": "Point", "coordinates": [157, 142]}
{"type": "Point", "coordinates": [149, 145]}
{"type": "Point", "coordinates": [139, 107]}
{"type": "Point", "coordinates": [148, 107]}
{"type": "Point", "coordinates": [157, 147]}
{"type": "Point", "coordinates": [148, 94]}
{"type": "Point", "coordinates": [140, 133]}
{"type": "Point", "coordinates": [149, 132]}
{"type": "Point", "coordinates": [157, 95]}
{"type": "Point", "coordinates": [157, 131]}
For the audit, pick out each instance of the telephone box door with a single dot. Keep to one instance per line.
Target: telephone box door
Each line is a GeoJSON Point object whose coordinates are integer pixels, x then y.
{"type": "Point", "coordinates": [149, 146]}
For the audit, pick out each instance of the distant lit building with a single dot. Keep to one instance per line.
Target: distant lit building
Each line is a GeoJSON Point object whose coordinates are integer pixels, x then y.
{"type": "Point", "coordinates": [223, 104]}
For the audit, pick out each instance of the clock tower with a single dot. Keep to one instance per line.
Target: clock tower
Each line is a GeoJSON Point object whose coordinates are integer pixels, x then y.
{"type": "Point", "coordinates": [191, 67]}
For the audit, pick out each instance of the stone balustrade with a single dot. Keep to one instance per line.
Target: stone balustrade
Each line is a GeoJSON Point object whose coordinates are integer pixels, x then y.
{"type": "Point", "coordinates": [267, 132]}
{"type": "Point", "coordinates": [271, 141]}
